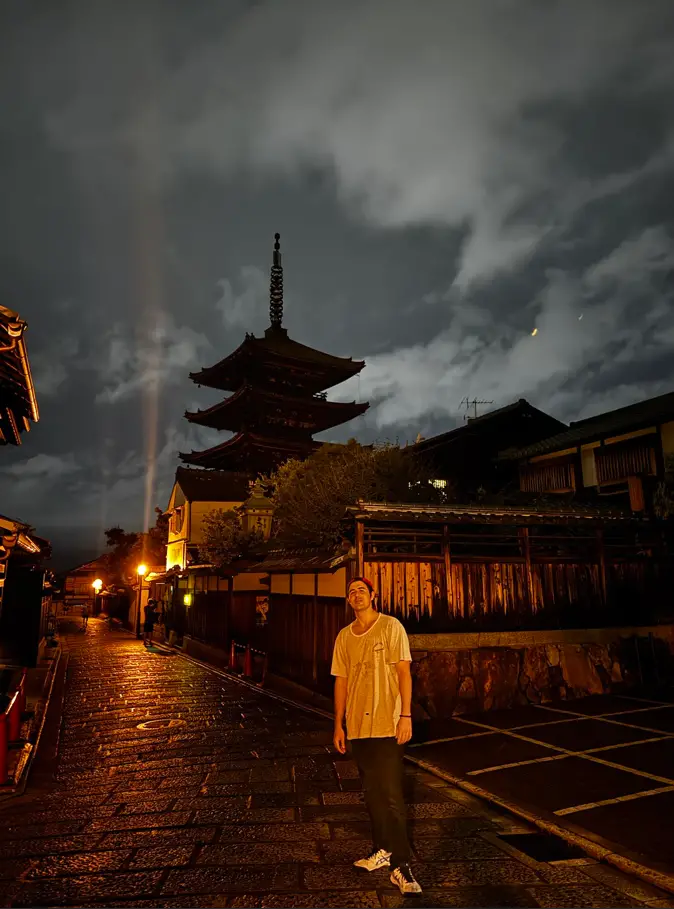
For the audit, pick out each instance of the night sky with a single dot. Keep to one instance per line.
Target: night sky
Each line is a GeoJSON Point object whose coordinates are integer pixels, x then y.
{"type": "Point", "coordinates": [446, 177]}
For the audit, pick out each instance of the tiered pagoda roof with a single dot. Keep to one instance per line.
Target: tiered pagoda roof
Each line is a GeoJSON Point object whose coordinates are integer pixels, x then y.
{"type": "Point", "coordinates": [278, 401]}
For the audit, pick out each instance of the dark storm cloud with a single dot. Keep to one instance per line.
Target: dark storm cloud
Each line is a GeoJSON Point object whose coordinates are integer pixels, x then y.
{"type": "Point", "coordinates": [446, 178]}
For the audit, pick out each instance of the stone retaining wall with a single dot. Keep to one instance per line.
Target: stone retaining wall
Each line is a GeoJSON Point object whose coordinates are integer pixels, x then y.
{"type": "Point", "coordinates": [464, 673]}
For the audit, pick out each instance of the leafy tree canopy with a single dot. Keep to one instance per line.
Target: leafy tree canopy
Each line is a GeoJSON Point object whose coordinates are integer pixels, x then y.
{"type": "Point", "coordinates": [128, 550]}
{"type": "Point", "coordinates": [224, 539]}
{"type": "Point", "coordinates": [310, 497]}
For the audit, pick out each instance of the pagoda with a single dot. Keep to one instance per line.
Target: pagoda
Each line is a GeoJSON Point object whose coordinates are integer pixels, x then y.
{"type": "Point", "coordinates": [278, 398]}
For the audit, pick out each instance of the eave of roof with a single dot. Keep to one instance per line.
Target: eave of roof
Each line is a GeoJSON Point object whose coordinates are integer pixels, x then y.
{"type": "Point", "coordinates": [614, 422]}
{"type": "Point", "coordinates": [449, 513]}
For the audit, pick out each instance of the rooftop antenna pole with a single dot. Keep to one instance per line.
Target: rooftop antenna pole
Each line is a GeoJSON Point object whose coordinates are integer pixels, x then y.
{"type": "Point", "coordinates": [474, 404]}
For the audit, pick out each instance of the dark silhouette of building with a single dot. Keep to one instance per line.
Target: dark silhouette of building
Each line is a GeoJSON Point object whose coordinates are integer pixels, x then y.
{"type": "Point", "coordinates": [278, 399]}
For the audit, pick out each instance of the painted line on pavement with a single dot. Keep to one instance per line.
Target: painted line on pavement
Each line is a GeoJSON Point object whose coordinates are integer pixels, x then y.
{"type": "Point", "coordinates": [575, 809]}
{"type": "Point", "coordinates": [585, 757]}
{"type": "Point", "coordinates": [605, 718]}
{"type": "Point", "coordinates": [559, 757]}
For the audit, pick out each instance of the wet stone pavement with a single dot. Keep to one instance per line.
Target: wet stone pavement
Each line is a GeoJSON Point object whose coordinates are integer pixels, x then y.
{"type": "Point", "coordinates": [177, 787]}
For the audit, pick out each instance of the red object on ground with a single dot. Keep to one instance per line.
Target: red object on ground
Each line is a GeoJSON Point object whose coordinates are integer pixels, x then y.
{"type": "Point", "coordinates": [14, 717]}
{"type": "Point", "coordinates": [232, 657]}
{"type": "Point", "coordinates": [248, 664]}
{"type": "Point", "coordinates": [3, 748]}
{"type": "Point", "coordinates": [22, 694]}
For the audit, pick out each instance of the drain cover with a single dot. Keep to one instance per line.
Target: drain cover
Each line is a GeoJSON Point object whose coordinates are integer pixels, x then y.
{"type": "Point", "coordinates": [543, 847]}
{"type": "Point", "coordinates": [161, 724]}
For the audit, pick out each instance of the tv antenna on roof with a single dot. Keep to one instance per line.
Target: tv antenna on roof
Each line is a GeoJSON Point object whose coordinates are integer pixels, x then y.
{"type": "Point", "coordinates": [474, 404]}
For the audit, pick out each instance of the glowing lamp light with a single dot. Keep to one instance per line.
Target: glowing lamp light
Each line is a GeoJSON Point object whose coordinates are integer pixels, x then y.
{"type": "Point", "coordinates": [534, 333]}
{"type": "Point", "coordinates": [97, 584]}
{"type": "Point", "coordinates": [142, 570]}
{"type": "Point", "coordinates": [187, 599]}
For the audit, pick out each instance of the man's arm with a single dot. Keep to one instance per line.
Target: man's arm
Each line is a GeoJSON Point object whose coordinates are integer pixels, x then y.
{"type": "Point", "coordinates": [339, 738]}
{"type": "Point", "coordinates": [404, 730]}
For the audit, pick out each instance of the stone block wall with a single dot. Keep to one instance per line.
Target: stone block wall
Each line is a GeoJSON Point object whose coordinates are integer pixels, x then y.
{"type": "Point", "coordinates": [456, 674]}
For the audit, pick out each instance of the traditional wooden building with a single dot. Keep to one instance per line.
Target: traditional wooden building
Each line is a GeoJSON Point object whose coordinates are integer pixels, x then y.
{"type": "Point", "coordinates": [620, 454]}
{"type": "Point", "coordinates": [78, 583]}
{"type": "Point", "coordinates": [278, 399]}
{"type": "Point", "coordinates": [18, 403]}
{"type": "Point", "coordinates": [465, 458]}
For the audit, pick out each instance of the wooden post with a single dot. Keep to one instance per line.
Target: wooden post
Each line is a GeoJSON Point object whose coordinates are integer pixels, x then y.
{"type": "Point", "coordinates": [448, 568]}
{"type": "Point", "coordinates": [526, 545]}
{"type": "Point", "coordinates": [360, 555]}
{"type": "Point", "coordinates": [601, 561]}
{"type": "Point", "coordinates": [314, 668]}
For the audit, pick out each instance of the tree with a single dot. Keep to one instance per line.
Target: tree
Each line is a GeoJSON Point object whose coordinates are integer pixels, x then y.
{"type": "Point", "coordinates": [224, 539]}
{"type": "Point", "coordinates": [128, 550]}
{"type": "Point", "coordinates": [310, 497]}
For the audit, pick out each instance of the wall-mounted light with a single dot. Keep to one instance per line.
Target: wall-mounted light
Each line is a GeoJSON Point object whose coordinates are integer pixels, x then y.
{"type": "Point", "coordinates": [187, 599]}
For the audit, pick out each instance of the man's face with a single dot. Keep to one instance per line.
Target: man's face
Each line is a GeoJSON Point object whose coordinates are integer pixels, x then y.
{"type": "Point", "coordinates": [359, 596]}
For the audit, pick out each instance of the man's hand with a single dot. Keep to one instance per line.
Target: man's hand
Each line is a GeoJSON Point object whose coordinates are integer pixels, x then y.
{"type": "Point", "coordinates": [404, 730]}
{"type": "Point", "coordinates": [339, 739]}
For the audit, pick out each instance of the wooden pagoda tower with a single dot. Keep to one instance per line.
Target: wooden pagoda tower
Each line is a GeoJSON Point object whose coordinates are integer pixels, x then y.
{"type": "Point", "coordinates": [278, 398]}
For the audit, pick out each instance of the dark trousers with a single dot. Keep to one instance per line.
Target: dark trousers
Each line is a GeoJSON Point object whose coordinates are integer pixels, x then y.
{"type": "Point", "coordinates": [380, 764]}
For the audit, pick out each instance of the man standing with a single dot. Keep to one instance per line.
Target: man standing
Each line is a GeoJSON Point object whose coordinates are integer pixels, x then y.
{"type": "Point", "coordinates": [373, 691]}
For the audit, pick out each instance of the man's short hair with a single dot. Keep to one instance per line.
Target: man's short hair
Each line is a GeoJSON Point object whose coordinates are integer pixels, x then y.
{"type": "Point", "coordinates": [366, 581]}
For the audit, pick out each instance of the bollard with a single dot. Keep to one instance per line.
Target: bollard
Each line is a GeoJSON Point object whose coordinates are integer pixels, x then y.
{"type": "Point", "coordinates": [232, 657]}
{"type": "Point", "coordinates": [13, 718]}
{"type": "Point", "coordinates": [4, 769]}
{"type": "Point", "coordinates": [248, 663]}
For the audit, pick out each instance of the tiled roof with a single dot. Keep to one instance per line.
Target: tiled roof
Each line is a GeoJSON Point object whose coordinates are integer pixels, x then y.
{"type": "Point", "coordinates": [625, 419]}
{"type": "Point", "coordinates": [299, 560]}
{"type": "Point", "coordinates": [18, 404]}
{"type": "Point", "coordinates": [212, 485]}
{"type": "Point", "coordinates": [568, 512]}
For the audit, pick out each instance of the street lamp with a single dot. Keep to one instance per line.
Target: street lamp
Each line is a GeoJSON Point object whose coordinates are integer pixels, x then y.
{"type": "Point", "coordinates": [142, 571]}
{"type": "Point", "coordinates": [97, 584]}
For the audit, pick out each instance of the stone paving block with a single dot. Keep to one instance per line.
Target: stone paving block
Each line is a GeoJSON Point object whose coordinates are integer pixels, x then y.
{"type": "Point", "coordinates": [86, 888]}
{"type": "Point", "coordinates": [77, 863]}
{"type": "Point", "coordinates": [273, 833]}
{"type": "Point", "coordinates": [242, 878]}
{"type": "Point", "coordinates": [452, 849]}
{"type": "Point", "coordinates": [270, 773]}
{"type": "Point", "coordinates": [12, 868]}
{"type": "Point", "coordinates": [478, 898]}
{"type": "Point", "coordinates": [334, 813]}
{"type": "Point", "coordinates": [343, 798]}
{"type": "Point", "coordinates": [581, 897]}
{"type": "Point", "coordinates": [162, 856]}
{"type": "Point", "coordinates": [47, 845]}
{"type": "Point", "coordinates": [634, 888]}
{"type": "Point", "coordinates": [173, 836]}
{"type": "Point", "coordinates": [50, 828]}
{"type": "Point", "coordinates": [227, 777]}
{"type": "Point", "coordinates": [126, 806]}
{"type": "Point", "coordinates": [437, 810]}
{"type": "Point", "coordinates": [282, 799]}
{"type": "Point", "coordinates": [213, 801]}
{"type": "Point", "coordinates": [139, 821]}
{"type": "Point", "coordinates": [464, 874]}
{"type": "Point", "coordinates": [347, 770]}
{"type": "Point", "coordinates": [345, 852]}
{"type": "Point", "coordinates": [244, 815]}
{"type": "Point", "coordinates": [339, 898]}
{"type": "Point", "coordinates": [259, 853]}
{"type": "Point", "coordinates": [344, 877]}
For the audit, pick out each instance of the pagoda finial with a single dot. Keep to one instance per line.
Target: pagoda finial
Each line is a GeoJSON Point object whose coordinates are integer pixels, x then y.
{"type": "Point", "coordinates": [276, 286]}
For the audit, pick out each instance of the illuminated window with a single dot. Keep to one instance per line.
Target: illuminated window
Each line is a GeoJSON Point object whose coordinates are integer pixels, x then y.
{"type": "Point", "coordinates": [439, 484]}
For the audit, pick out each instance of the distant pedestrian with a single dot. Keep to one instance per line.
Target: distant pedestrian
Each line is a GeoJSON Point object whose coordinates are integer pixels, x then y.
{"type": "Point", "coordinates": [373, 692]}
{"type": "Point", "coordinates": [150, 619]}
{"type": "Point", "coordinates": [85, 617]}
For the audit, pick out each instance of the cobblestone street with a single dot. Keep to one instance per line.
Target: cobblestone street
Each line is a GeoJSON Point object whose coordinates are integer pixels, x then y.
{"type": "Point", "coordinates": [177, 787]}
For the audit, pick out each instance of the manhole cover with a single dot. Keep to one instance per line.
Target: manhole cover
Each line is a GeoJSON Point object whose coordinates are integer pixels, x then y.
{"type": "Point", "coordinates": [543, 847]}
{"type": "Point", "coordinates": [160, 724]}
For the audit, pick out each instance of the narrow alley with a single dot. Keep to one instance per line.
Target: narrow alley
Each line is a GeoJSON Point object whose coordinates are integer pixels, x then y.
{"type": "Point", "coordinates": [175, 786]}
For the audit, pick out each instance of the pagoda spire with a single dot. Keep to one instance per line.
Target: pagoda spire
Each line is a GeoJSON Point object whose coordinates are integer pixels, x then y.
{"type": "Point", "coordinates": [276, 286]}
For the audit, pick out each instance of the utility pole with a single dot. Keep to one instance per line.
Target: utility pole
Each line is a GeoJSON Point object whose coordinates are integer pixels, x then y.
{"type": "Point", "coordinates": [474, 404]}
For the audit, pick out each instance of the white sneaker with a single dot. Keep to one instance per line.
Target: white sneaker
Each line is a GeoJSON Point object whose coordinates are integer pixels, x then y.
{"type": "Point", "coordinates": [379, 859]}
{"type": "Point", "coordinates": [404, 880]}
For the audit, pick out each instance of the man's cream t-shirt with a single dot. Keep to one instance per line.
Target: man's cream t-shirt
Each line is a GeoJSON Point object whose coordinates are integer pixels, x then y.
{"type": "Point", "coordinates": [368, 663]}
